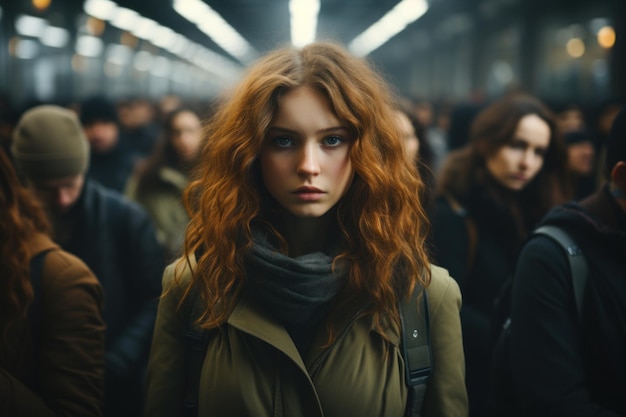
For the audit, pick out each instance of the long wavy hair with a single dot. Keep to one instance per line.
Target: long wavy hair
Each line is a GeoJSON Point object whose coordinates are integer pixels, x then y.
{"type": "Point", "coordinates": [493, 128]}
{"type": "Point", "coordinates": [20, 217]}
{"type": "Point", "coordinates": [380, 217]}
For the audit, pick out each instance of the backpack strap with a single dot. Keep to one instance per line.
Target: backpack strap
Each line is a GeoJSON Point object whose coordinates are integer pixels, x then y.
{"type": "Point", "coordinates": [416, 349]}
{"type": "Point", "coordinates": [35, 311]}
{"type": "Point", "coordinates": [577, 263]}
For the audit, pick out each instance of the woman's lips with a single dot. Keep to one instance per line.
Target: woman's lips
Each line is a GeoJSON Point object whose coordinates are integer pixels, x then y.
{"type": "Point", "coordinates": [309, 193]}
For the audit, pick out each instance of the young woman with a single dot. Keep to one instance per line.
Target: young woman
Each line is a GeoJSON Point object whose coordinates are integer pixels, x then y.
{"type": "Point", "coordinates": [490, 195]}
{"type": "Point", "coordinates": [161, 179]}
{"type": "Point", "coordinates": [306, 234]}
{"type": "Point", "coordinates": [51, 331]}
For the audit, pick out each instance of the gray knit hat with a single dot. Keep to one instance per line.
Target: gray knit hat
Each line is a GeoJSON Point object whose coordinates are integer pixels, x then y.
{"type": "Point", "coordinates": [49, 143]}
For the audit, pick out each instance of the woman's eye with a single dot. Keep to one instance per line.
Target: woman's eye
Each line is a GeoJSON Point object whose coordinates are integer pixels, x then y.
{"type": "Point", "coordinates": [333, 141]}
{"type": "Point", "coordinates": [283, 141]}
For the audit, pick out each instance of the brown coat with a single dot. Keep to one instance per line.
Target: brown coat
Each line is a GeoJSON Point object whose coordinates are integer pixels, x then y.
{"type": "Point", "coordinates": [69, 360]}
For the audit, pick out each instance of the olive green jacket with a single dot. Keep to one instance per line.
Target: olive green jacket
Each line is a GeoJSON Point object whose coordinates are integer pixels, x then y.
{"type": "Point", "coordinates": [164, 204]}
{"type": "Point", "coordinates": [252, 367]}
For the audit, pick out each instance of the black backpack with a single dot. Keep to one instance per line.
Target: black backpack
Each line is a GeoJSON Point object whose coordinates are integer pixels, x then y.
{"type": "Point", "coordinates": [502, 401]}
{"type": "Point", "coordinates": [415, 351]}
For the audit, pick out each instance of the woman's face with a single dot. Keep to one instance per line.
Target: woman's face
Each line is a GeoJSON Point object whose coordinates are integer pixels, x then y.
{"type": "Point", "coordinates": [186, 134]}
{"type": "Point", "coordinates": [411, 142]}
{"type": "Point", "coordinates": [516, 163]}
{"type": "Point", "coordinates": [305, 161]}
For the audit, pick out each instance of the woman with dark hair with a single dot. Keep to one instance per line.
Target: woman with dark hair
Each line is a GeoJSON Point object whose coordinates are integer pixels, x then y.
{"type": "Point", "coordinates": [161, 179]}
{"type": "Point", "coordinates": [490, 195]}
{"type": "Point", "coordinates": [306, 234]}
{"type": "Point", "coordinates": [52, 350]}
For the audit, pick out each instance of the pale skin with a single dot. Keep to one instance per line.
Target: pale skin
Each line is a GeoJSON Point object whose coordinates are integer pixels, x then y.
{"type": "Point", "coordinates": [411, 141]}
{"type": "Point", "coordinates": [58, 195]}
{"type": "Point", "coordinates": [516, 163]}
{"type": "Point", "coordinates": [306, 166]}
{"type": "Point", "coordinates": [102, 136]}
{"type": "Point", "coordinates": [186, 135]}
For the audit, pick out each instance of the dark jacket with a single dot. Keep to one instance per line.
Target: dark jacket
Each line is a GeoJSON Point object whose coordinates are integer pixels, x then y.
{"type": "Point", "coordinates": [253, 368]}
{"type": "Point", "coordinates": [61, 374]}
{"type": "Point", "coordinates": [481, 265]}
{"type": "Point", "coordinates": [114, 168]}
{"type": "Point", "coordinates": [116, 239]}
{"type": "Point", "coordinates": [563, 365]}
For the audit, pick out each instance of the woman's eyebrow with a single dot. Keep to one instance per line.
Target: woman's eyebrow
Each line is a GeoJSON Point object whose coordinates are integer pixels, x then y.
{"type": "Point", "coordinates": [325, 130]}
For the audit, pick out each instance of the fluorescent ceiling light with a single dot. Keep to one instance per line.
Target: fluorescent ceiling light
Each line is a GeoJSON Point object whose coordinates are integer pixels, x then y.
{"type": "Point", "coordinates": [143, 60]}
{"type": "Point", "coordinates": [144, 28]}
{"type": "Point", "coordinates": [392, 23]}
{"type": "Point", "coordinates": [54, 36]}
{"type": "Point", "coordinates": [30, 25]}
{"type": "Point", "coordinates": [89, 46]}
{"type": "Point", "coordinates": [304, 15]}
{"type": "Point", "coordinates": [118, 54]}
{"type": "Point", "coordinates": [125, 19]}
{"type": "Point", "coordinates": [215, 27]}
{"type": "Point", "coordinates": [100, 9]}
{"type": "Point", "coordinates": [164, 38]}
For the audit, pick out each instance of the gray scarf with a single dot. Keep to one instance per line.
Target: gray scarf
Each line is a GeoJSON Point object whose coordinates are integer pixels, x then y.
{"type": "Point", "coordinates": [296, 291]}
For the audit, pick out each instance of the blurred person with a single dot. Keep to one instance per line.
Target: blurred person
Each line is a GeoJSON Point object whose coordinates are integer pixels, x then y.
{"type": "Point", "coordinates": [569, 117]}
{"type": "Point", "coordinates": [52, 350]}
{"type": "Point", "coordinates": [306, 233]}
{"type": "Point", "coordinates": [112, 235]}
{"type": "Point", "coordinates": [581, 162]}
{"type": "Point", "coordinates": [565, 362]}
{"type": "Point", "coordinates": [112, 161]}
{"type": "Point", "coordinates": [461, 117]}
{"type": "Point", "coordinates": [489, 196]}
{"type": "Point", "coordinates": [140, 125]}
{"type": "Point", "coordinates": [160, 181]}
{"type": "Point", "coordinates": [604, 120]}
{"type": "Point", "coordinates": [417, 151]}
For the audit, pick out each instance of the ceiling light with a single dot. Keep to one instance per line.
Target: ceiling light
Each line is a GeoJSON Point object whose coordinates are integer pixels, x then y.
{"type": "Point", "coordinates": [392, 23]}
{"type": "Point", "coordinates": [125, 19]}
{"type": "Point", "coordinates": [304, 14]}
{"type": "Point", "coordinates": [30, 25]}
{"type": "Point", "coordinates": [144, 28]}
{"type": "Point", "coordinates": [215, 27]}
{"type": "Point", "coordinates": [54, 36]}
{"type": "Point", "coordinates": [89, 46]}
{"type": "Point", "coordinates": [100, 9]}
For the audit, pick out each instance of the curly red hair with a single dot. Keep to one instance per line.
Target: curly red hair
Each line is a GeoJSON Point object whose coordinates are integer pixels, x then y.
{"type": "Point", "coordinates": [381, 216]}
{"type": "Point", "coordinates": [20, 218]}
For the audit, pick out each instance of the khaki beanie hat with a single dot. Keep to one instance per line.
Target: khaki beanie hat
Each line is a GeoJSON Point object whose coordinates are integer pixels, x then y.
{"type": "Point", "coordinates": [49, 143]}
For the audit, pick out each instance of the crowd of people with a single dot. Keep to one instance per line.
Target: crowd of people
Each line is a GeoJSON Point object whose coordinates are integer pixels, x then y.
{"type": "Point", "coordinates": [284, 225]}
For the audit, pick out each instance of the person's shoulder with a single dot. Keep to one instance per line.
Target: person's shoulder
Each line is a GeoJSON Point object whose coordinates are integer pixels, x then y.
{"type": "Point", "coordinates": [442, 287]}
{"type": "Point", "coordinates": [62, 268]}
{"type": "Point", "coordinates": [116, 200]}
{"type": "Point", "coordinates": [177, 275]}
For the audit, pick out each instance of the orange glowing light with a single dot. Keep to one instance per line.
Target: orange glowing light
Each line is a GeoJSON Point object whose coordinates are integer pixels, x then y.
{"type": "Point", "coordinates": [606, 37]}
{"type": "Point", "coordinates": [575, 47]}
{"type": "Point", "coordinates": [41, 4]}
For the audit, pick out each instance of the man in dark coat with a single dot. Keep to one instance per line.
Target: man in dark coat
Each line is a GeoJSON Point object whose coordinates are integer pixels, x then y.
{"type": "Point", "coordinates": [564, 364]}
{"type": "Point", "coordinates": [112, 235]}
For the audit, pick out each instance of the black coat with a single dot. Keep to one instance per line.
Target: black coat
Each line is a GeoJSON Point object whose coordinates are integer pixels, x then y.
{"type": "Point", "coordinates": [116, 239]}
{"type": "Point", "coordinates": [563, 365]}
{"type": "Point", "coordinates": [481, 273]}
